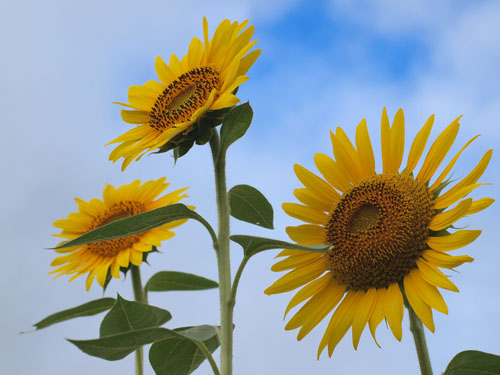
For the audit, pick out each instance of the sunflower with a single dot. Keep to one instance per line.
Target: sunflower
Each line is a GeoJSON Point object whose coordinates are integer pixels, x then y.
{"type": "Point", "coordinates": [203, 80]}
{"type": "Point", "coordinates": [389, 233]}
{"type": "Point", "coordinates": [99, 258]}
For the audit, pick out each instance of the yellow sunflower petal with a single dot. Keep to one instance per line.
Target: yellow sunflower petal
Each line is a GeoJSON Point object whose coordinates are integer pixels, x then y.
{"type": "Point", "coordinates": [394, 309]}
{"type": "Point", "coordinates": [307, 234]}
{"type": "Point", "coordinates": [225, 101]}
{"type": "Point", "coordinates": [450, 165]}
{"type": "Point", "coordinates": [294, 261]}
{"type": "Point", "coordinates": [342, 319]}
{"type": "Point", "coordinates": [247, 61]}
{"type": "Point", "coordinates": [418, 305]}
{"type": "Point", "coordinates": [378, 313]}
{"type": "Point", "coordinates": [299, 277]}
{"type": "Point", "coordinates": [453, 241]}
{"type": "Point", "coordinates": [316, 184]}
{"type": "Point", "coordinates": [446, 219]}
{"type": "Point", "coordinates": [305, 196]}
{"type": "Point", "coordinates": [331, 172]}
{"type": "Point", "coordinates": [313, 288]}
{"type": "Point", "coordinates": [480, 205]}
{"type": "Point", "coordinates": [195, 52]}
{"type": "Point", "coordinates": [134, 117]}
{"type": "Point", "coordinates": [362, 315]}
{"type": "Point", "coordinates": [163, 71]}
{"type": "Point", "coordinates": [445, 260]}
{"type": "Point", "coordinates": [304, 213]}
{"type": "Point", "coordinates": [434, 276]}
{"type": "Point", "coordinates": [385, 138]}
{"type": "Point", "coordinates": [397, 141]}
{"type": "Point", "coordinates": [438, 151]}
{"type": "Point", "coordinates": [316, 309]}
{"type": "Point", "coordinates": [418, 146]}
{"type": "Point", "coordinates": [346, 155]}
{"type": "Point", "coordinates": [365, 150]}
{"type": "Point", "coordinates": [467, 181]}
{"type": "Point", "coordinates": [428, 292]}
{"type": "Point", "coordinates": [451, 197]}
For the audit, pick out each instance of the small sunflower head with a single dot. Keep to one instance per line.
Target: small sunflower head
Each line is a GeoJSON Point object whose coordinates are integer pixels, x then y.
{"type": "Point", "coordinates": [105, 259]}
{"type": "Point", "coordinates": [390, 232]}
{"type": "Point", "coordinates": [192, 94]}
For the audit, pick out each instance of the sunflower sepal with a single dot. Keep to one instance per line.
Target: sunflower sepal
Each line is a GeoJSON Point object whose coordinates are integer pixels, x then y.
{"type": "Point", "coordinates": [250, 205]}
{"type": "Point", "coordinates": [253, 245]}
{"type": "Point", "coordinates": [87, 309]}
{"type": "Point", "coordinates": [473, 362]}
{"type": "Point", "coordinates": [200, 133]}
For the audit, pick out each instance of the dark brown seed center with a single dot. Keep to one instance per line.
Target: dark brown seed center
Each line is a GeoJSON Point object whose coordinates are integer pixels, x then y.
{"type": "Point", "coordinates": [378, 230]}
{"type": "Point", "coordinates": [183, 97]}
{"type": "Point", "coordinates": [111, 248]}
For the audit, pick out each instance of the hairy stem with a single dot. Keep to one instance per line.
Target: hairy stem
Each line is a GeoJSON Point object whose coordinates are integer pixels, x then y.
{"type": "Point", "coordinates": [417, 329]}
{"type": "Point", "coordinates": [223, 260]}
{"type": "Point", "coordinates": [139, 296]}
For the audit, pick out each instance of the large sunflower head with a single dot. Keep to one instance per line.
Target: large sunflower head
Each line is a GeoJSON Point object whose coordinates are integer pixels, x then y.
{"type": "Point", "coordinates": [204, 80]}
{"type": "Point", "coordinates": [390, 232]}
{"type": "Point", "coordinates": [99, 259]}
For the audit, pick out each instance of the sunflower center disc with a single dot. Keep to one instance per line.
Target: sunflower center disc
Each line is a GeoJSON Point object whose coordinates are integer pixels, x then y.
{"type": "Point", "coordinates": [378, 230]}
{"type": "Point", "coordinates": [183, 97]}
{"type": "Point", "coordinates": [117, 211]}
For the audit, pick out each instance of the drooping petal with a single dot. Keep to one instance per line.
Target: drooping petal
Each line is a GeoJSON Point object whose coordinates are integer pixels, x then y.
{"type": "Point", "coordinates": [434, 276]}
{"type": "Point", "coordinates": [362, 315]}
{"type": "Point", "coordinates": [418, 305]}
{"type": "Point", "coordinates": [394, 309]}
{"type": "Point", "coordinates": [445, 260]}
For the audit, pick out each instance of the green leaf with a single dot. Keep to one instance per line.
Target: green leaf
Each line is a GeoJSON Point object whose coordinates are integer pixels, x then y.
{"type": "Point", "coordinates": [119, 346]}
{"type": "Point", "coordinates": [171, 280]}
{"type": "Point", "coordinates": [473, 362]}
{"type": "Point", "coordinates": [87, 309]}
{"type": "Point", "coordinates": [248, 204]}
{"type": "Point", "coordinates": [139, 223]}
{"type": "Point", "coordinates": [131, 316]}
{"type": "Point", "coordinates": [181, 354]}
{"type": "Point", "coordinates": [235, 124]}
{"type": "Point", "coordinates": [253, 245]}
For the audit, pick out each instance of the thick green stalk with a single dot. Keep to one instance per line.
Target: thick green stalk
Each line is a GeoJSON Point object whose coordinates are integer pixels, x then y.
{"type": "Point", "coordinates": [223, 260]}
{"type": "Point", "coordinates": [140, 297]}
{"type": "Point", "coordinates": [417, 329]}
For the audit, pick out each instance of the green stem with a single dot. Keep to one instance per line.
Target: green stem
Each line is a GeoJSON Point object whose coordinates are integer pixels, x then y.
{"type": "Point", "coordinates": [139, 296]}
{"type": "Point", "coordinates": [236, 280]}
{"type": "Point", "coordinates": [417, 329]}
{"type": "Point", "coordinates": [223, 260]}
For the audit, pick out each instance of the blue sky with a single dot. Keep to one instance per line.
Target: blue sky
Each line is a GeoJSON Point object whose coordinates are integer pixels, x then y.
{"type": "Point", "coordinates": [324, 64]}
